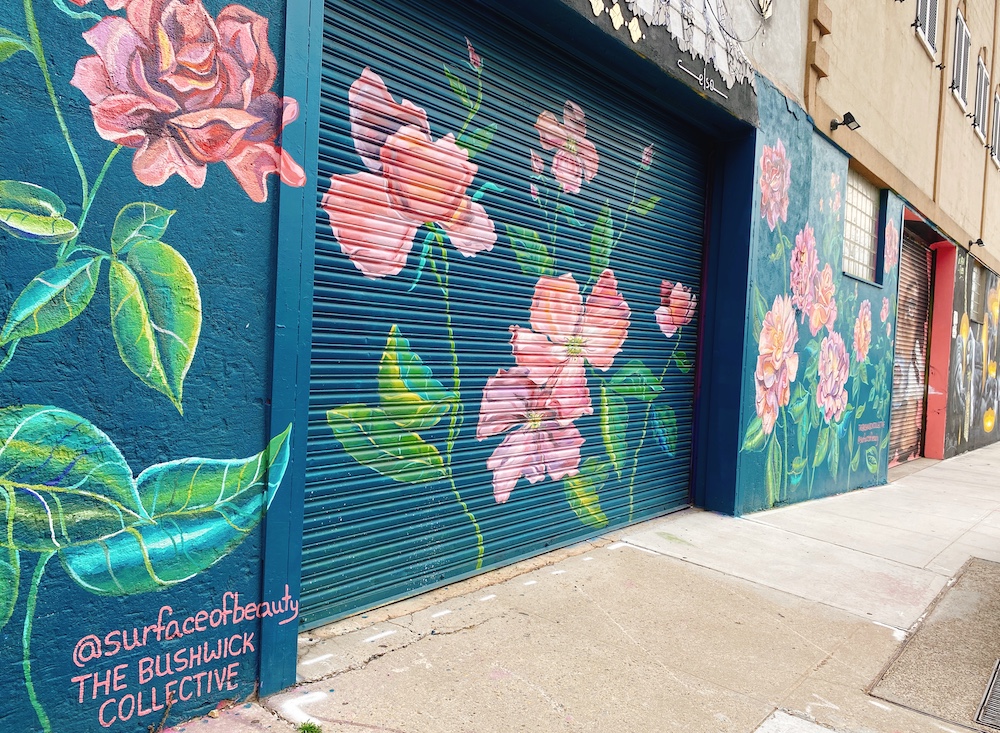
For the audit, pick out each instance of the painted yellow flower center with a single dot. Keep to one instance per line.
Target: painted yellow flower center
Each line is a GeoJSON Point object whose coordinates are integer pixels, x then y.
{"type": "Point", "coordinates": [571, 146]}
{"type": "Point", "coordinates": [534, 420]}
{"type": "Point", "coordinates": [574, 346]}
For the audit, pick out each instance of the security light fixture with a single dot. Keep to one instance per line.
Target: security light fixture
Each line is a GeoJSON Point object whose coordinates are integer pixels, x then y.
{"type": "Point", "coordinates": [978, 242]}
{"type": "Point", "coordinates": [849, 122]}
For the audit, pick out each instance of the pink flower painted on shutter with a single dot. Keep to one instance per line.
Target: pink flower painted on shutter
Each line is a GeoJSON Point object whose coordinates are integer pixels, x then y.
{"type": "Point", "coordinates": [186, 90]}
{"type": "Point", "coordinates": [576, 157]}
{"type": "Point", "coordinates": [677, 307]}
{"type": "Point", "coordinates": [414, 180]}
{"type": "Point", "coordinates": [537, 444]}
{"type": "Point", "coordinates": [565, 335]}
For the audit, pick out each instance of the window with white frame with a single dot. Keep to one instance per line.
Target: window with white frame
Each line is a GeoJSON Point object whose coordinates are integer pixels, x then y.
{"type": "Point", "coordinates": [977, 293]}
{"type": "Point", "coordinates": [960, 60]}
{"type": "Point", "coordinates": [860, 227]}
{"type": "Point", "coordinates": [982, 99]}
{"type": "Point", "coordinates": [927, 22]}
{"type": "Point", "coordinates": [994, 143]}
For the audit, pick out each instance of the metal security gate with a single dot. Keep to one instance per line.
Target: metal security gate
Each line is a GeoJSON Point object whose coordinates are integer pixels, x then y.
{"type": "Point", "coordinates": [508, 260]}
{"type": "Point", "coordinates": [909, 384]}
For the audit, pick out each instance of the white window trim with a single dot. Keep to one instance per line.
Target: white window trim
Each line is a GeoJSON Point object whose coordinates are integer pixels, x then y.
{"type": "Point", "coordinates": [958, 62]}
{"type": "Point", "coordinates": [921, 28]}
{"type": "Point", "coordinates": [982, 100]}
{"type": "Point", "coordinates": [994, 142]}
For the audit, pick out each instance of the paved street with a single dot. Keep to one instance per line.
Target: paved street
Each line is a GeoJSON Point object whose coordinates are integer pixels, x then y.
{"type": "Point", "coordinates": [777, 622]}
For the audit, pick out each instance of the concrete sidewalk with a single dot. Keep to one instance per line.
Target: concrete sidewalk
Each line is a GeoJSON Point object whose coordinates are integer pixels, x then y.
{"type": "Point", "coordinates": [776, 622]}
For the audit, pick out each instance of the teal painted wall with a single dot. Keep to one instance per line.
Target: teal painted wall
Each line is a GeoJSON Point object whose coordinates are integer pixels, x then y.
{"type": "Point", "coordinates": [138, 191]}
{"type": "Point", "coordinates": [817, 371]}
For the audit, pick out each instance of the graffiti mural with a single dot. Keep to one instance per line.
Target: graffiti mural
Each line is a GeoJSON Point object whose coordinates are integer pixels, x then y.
{"type": "Point", "coordinates": [182, 88]}
{"type": "Point", "coordinates": [538, 368]}
{"type": "Point", "coordinates": [973, 399]}
{"type": "Point", "coordinates": [820, 380]}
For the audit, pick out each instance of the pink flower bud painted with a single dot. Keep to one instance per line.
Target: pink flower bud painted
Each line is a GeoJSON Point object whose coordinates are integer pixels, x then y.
{"type": "Point", "coordinates": [677, 306]}
{"type": "Point", "coordinates": [647, 157]}
{"type": "Point", "coordinates": [537, 164]}
{"type": "Point", "coordinates": [474, 60]}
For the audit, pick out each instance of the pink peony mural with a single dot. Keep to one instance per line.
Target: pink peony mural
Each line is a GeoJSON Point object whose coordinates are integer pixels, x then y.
{"type": "Point", "coordinates": [863, 331]}
{"type": "Point", "coordinates": [537, 444]}
{"type": "Point", "coordinates": [565, 335]}
{"type": "Point", "coordinates": [677, 307]}
{"type": "Point", "coordinates": [775, 180]}
{"type": "Point", "coordinates": [777, 362]}
{"type": "Point", "coordinates": [823, 310]}
{"type": "Point", "coordinates": [834, 368]}
{"type": "Point", "coordinates": [412, 181]}
{"type": "Point", "coordinates": [185, 90]}
{"type": "Point", "coordinates": [576, 157]}
{"type": "Point", "coordinates": [804, 270]}
{"type": "Point", "coordinates": [884, 313]}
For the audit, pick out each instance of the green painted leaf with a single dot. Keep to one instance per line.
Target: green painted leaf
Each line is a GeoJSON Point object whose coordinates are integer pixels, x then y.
{"type": "Point", "coordinates": [532, 254]}
{"type": "Point", "coordinates": [156, 315]}
{"type": "Point", "coordinates": [372, 439]}
{"type": "Point", "coordinates": [62, 480]}
{"type": "Point", "coordinates": [199, 510]}
{"type": "Point", "coordinates": [31, 212]}
{"type": "Point", "coordinates": [569, 214]}
{"type": "Point", "coordinates": [665, 428]}
{"type": "Point", "coordinates": [863, 373]}
{"type": "Point", "coordinates": [461, 91]}
{"type": "Point", "coordinates": [822, 446]}
{"type": "Point", "coordinates": [759, 313]}
{"type": "Point", "coordinates": [11, 43]}
{"type": "Point", "coordinates": [75, 14]}
{"type": "Point", "coordinates": [645, 206]}
{"type": "Point", "coordinates": [856, 460]}
{"type": "Point", "coordinates": [635, 380]}
{"type": "Point", "coordinates": [408, 393]}
{"type": "Point", "coordinates": [798, 465]}
{"type": "Point", "coordinates": [861, 411]}
{"type": "Point", "coordinates": [486, 187]}
{"type": "Point", "coordinates": [684, 364]}
{"type": "Point", "coordinates": [52, 299]}
{"type": "Point", "coordinates": [799, 403]}
{"type": "Point", "coordinates": [582, 492]}
{"type": "Point", "coordinates": [602, 240]}
{"type": "Point", "coordinates": [10, 580]}
{"type": "Point", "coordinates": [804, 428]}
{"type": "Point", "coordinates": [477, 141]}
{"type": "Point", "coordinates": [614, 428]}
{"type": "Point", "coordinates": [136, 222]}
{"type": "Point", "coordinates": [871, 459]}
{"type": "Point", "coordinates": [754, 437]}
{"type": "Point", "coordinates": [772, 473]}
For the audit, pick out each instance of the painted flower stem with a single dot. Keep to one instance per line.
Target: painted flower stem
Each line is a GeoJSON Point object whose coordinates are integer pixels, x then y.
{"type": "Point", "coordinates": [628, 209]}
{"type": "Point", "coordinates": [39, 52]}
{"type": "Point", "coordinates": [29, 616]}
{"type": "Point", "coordinates": [457, 414]}
{"type": "Point", "coordinates": [11, 348]}
{"type": "Point", "coordinates": [68, 249]}
{"type": "Point", "coordinates": [475, 107]}
{"type": "Point", "coordinates": [635, 458]}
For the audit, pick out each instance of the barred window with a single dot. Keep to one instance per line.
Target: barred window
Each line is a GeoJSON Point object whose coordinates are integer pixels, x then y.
{"type": "Point", "coordinates": [860, 227]}
{"type": "Point", "coordinates": [977, 293]}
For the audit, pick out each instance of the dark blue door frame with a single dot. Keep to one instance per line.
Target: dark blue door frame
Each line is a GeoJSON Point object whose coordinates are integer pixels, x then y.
{"type": "Point", "coordinates": [292, 325]}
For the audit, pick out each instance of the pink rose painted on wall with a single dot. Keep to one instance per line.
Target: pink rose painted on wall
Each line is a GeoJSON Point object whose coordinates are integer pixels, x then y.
{"type": "Point", "coordinates": [863, 331]}
{"type": "Point", "coordinates": [186, 90]}
{"type": "Point", "coordinates": [576, 157]}
{"type": "Point", "coordinates": [834, 366]}
{"type": "Point", "coordinates": [884, 313]}
{"type": "Point", "coordinates": [537, 444]}
{"type": "Point", "coordinates": [565, 335]}
{"type": "Point", "coordinates": [413, 180]}
{"type": "Point", "coordinates": [804, 270]}
{"type": "Point", "coordinates": [676, 309]}
{"type": "Point", "coordinates": [777, 361]}
{"type": "Point", "coordinates": [823, 310]}
{"type": "Point", "coordinates": [891, 245]}
{"type": "Point", "coordinates": [775, 180]}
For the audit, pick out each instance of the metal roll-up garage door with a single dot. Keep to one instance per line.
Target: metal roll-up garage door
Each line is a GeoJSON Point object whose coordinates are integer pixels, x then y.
{"type": "Point", "coordinates": [508, 260]}
{"type": "Point", "coordinates": [909, 383]}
